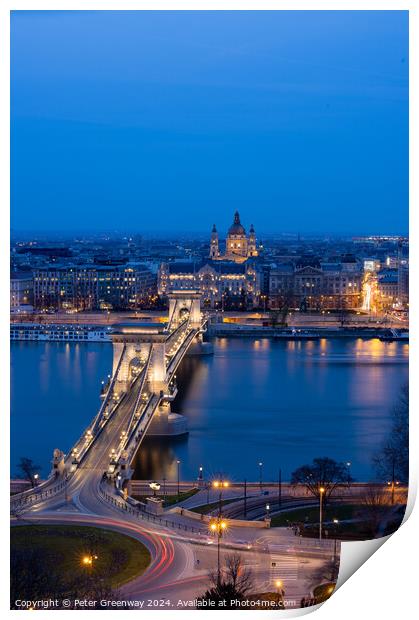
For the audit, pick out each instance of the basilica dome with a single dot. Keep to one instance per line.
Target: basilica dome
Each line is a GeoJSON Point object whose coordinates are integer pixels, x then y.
{"type": "Point", "coordinates": [236, 228]}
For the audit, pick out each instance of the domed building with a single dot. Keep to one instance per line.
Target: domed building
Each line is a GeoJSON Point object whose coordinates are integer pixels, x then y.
{"type": "Point", "coordinates": [239, 246]}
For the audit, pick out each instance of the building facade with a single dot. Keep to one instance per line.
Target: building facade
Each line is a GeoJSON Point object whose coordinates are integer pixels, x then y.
{"type": "Point", "coordinates": [21, 292]}
{"type": "Point", "coordinates": [93, 287]}
{"type": "Point", "coordinates": [223, 284]}
{"type": "Point", "coordinates": [316, 286]}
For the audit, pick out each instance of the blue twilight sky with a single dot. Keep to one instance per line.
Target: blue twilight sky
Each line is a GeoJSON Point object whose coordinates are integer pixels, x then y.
{"type": "Point", "coordinates": [148, 121]}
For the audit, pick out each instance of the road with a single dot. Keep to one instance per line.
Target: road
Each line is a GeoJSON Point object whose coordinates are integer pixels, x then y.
{"type": "Point", "coordinates": [182, 553]}
{"type": "Point", "coordinates": [178, 572]}
{"type": "Point", "coordinates": [180, 562]}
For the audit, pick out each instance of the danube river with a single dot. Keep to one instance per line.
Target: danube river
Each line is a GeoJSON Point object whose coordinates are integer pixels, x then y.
{"type": "Point", "coordinates": [276, 402]}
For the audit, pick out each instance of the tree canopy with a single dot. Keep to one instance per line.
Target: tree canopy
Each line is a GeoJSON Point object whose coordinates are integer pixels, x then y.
{"type": "Point", "coordinates": [322, 473]}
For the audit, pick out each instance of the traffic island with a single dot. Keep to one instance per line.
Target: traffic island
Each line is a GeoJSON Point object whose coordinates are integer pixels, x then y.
{"type": "Point", "coordinates": [68, 558]}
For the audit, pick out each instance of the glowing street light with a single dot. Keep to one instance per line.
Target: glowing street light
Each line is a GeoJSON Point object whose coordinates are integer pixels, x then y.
{"type": "Point", "coordinates": [336, 523]}
{"type": "Point", "coordinates": [348, 465]}
{"type": "Point", "coordinates": [178, 477]}
{"type": "Point", "coordinates": [392, 484]}
{"type": "Point", "coordinates": [218, 526]}
{"type": "Point", "coordinates": [260, 474]}
{"type": "Point", "coordinates": [321, 491]}
{"type": "Point", "coordinates": [87, 560]}
{"type": "Point", "coordinates": [220, 484]}
{"type": "Point", "coordinates": [281, 593]}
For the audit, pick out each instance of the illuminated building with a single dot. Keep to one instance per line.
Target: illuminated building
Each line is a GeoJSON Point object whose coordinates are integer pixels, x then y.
{"type": "Point", "coordinates": [21, 292]}
{"type": "Point", "coordinates": [312, 284]}
{"type": "Point", "coordinates": [239, 246]}
{"type": "Point", "coordinates": [223, 284]}
{"type": "Point", "coordinates": [387, 288]}
{"type": "Point", "coordinates": [92, 288]}
{"type": "Point", "coordinates": [403, 280]}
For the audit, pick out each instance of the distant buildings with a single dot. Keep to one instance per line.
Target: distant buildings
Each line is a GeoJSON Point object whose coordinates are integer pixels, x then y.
{"type": "Point", "coordinates": [21, 292]}
{"type": "Point", "coordinates": [403, 281]}
{"type": "Point", "coordinates": [124, 272]}
{"type": "Point", "coordinates": [387, 288]}
{"type": "Point", "coordinates": [100, 287]}
{"type": "Point", "coordinates": [311, 284]}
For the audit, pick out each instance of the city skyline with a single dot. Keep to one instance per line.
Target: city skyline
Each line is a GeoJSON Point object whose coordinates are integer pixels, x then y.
{"type": "Point", "coordinates": [184, 117]}
{"type": "Point", "coordinates": [149, 234]}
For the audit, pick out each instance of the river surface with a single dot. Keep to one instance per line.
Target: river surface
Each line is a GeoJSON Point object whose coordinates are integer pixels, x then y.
{"type": "Point", "coordinates": [275, 402]}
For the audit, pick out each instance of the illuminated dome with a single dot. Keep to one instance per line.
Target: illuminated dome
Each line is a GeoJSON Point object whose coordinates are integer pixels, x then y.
{"type": "Point", "coordinates": [236, 228]}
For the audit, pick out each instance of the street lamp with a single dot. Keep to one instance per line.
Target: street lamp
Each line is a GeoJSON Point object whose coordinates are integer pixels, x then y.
{"type": "Point", "coordinates": [267, 510]}
{"type": "Point", "coordinates": [260, 475]}
{"type": "Point", "coordinates": [393, 481]}
{"type": "Point", "coordinates": [336, 523]}
{"type": "Point", "coordinates": [348, 465]}
{"type": "Point", "coordinates": [36, 477]}
{"type": "Point", "coordinates": [178, 478]}
{"type": "Point", "coordinates": [217, 526]}
{"type": "Point", "coordinates": [220, 484]}
{"type": "Point", "coordinates": [87, 560]}
{"type": "Point", "coordinates": [321, 491]}
{"type": "Point", "coordinates": [281, 593]}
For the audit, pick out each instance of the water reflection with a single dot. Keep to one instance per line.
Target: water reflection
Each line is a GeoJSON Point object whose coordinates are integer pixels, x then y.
{"type": "Point", "coordinates": [280, 402]}
{"type": "Point", "coordinates": [157, 458]}
{"type": "Point", "coordinates": [288, 401]}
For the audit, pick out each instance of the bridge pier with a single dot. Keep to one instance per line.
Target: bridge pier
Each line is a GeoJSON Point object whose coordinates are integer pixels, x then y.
{"type": "Point", "coordinates": [165, 423]}
{"type": "Point", "coordinates": [201, 348]}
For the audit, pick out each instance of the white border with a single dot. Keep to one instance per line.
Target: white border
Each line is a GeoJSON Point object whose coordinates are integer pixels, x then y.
{"type": "Point", "coordinates": [387, 584]}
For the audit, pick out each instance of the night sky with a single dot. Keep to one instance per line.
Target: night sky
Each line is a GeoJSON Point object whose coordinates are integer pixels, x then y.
{"type": "Point", "coordinates": [169, 121]}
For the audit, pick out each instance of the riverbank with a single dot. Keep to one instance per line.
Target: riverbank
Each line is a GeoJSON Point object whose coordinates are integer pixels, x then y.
{"type": "Point", "coordinates": [29, 332]}
{"type": "Point", "coordinates": [232, 330]}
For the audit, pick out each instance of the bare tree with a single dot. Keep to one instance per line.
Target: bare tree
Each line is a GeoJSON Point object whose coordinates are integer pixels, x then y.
{"type": "Point", "coordinates": [28, 470]}
{"type": "Point", "coordinates": [323, 473]}
{"type": "Point", "coordinates": [239, 576]}
{"type": "Point", "coordinates": [376, 509]}
{"type": "Point", "coordinates": [391, 462]}
{"type": "Point", "coordinates": [235, 583]}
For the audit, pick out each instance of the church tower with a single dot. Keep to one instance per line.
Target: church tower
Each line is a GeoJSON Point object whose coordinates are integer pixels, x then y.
{"type": "Point", "coordinates": [236, 245]}
{"type": "Point", "coordinates": [251, 245]}
{"type": "Point", "coordinates": [214, 248]}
